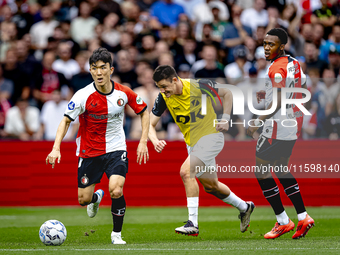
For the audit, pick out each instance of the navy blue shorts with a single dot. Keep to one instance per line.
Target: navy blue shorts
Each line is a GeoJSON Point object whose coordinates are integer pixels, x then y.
{"type": "Point", "coordinates": [91, 170]}
{"type": "Point", "coordinates": [273, 149]}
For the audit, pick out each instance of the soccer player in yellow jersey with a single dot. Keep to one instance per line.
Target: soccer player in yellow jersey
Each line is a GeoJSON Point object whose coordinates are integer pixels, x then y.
{"type": "Point", "coordinates": [182, 97]}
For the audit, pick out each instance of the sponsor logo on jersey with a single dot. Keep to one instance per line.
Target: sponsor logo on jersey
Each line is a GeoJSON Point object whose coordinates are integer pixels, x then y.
{"type": "Point", "coordinates": [84, 180]}
{"type": "Point", "coordinates": [105, 116]}
{"type": "Point", "coordinates": [139, 100]}
{"type": "Point", "coordinates": [71, 105]}
{"type": "Point", "coordinates": [120, 102]}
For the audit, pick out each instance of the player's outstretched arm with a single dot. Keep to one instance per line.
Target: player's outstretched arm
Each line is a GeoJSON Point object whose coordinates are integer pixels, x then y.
{"type": "Point", "coordinates": [158, 144]}
{"type": "Point", "coordinates": [142, 150]}
{"type": "Point", "coordinates": [227, 98]}
{"type": "Point", "coordinates": [61, 132]}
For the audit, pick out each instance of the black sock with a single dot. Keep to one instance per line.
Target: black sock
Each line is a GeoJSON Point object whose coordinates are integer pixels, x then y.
{"type": "Point", "coordinates": [272, 194]}
{"type": "Point", "coordinates": [118, 211]}
{"type": "Point", "coordinates": [292, 190]}
{"type": "Point", "coordinates": [94, 198]}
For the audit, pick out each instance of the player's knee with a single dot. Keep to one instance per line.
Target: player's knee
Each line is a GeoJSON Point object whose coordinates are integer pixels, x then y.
{"type": "Point", "coordinates": [211, 188]}
{"type": "Point", "coordinates": [184, 173]}
{"type": "Point", "coordinates": [84, 200]}
{"type": "Point", "coordinates": [116, 193]}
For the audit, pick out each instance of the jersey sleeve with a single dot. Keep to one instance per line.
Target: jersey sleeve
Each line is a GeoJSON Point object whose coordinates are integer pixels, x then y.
{"type": "Point", "coordinates": [75, 107]}
{"type": "Point", "coordinates": [278, 77]}
{"type": "Point", "coordinates": [160, 106]}
{"type": "Point", "coordinates": [303, 78]}
{"type": "Point", "coordinates": [208, 86]}
{"type": "Point", "coordinates": [135, 101]}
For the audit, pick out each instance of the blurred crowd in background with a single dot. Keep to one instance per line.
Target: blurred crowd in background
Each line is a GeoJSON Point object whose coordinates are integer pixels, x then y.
{"type": "Point", "coordinates": [45, 46]}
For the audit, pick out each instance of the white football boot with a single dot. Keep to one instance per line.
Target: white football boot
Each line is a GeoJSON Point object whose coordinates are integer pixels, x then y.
{"type": "Point", "coordinates": [93, 208]}
{"type": "Point", "coordinates": [245, 217]}
{"type": "Point", "coordinates": [188, 229]}
{"type": "Point", "coordinates": [116, 238]}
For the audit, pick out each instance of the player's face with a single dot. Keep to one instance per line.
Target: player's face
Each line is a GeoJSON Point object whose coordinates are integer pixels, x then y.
{"type": "Point", "coordinates": [272, 47]}
{"type": "Point", "coordinates": [166, 87]}
{"type": "Point", "coordinates": [101, 73]}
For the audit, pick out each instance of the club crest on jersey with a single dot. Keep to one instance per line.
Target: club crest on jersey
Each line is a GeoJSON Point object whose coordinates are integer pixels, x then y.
{"type": "Point", "coordinates": [71, 105]}
{"type": "Point", "coordinates": [278, 77]}
{"type": "Point", "coordinates": [120, 102]}
{"type": "Point", "coordinates": [84, 180]}
{"type": "Point", "coordinates": [139, 100]}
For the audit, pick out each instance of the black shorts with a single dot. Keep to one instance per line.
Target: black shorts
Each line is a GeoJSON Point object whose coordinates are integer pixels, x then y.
{"type": "Point", "coordinates": [273, 149]}
{"type": "Point", "coordinates": [91, 170]}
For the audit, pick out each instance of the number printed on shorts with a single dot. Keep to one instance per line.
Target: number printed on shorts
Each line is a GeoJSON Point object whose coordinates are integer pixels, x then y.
{"type": "Point", "coordinates": [260, 142]}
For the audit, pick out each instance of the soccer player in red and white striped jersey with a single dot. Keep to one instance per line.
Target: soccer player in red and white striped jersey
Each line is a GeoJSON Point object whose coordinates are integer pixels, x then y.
{"type": "Point", "coordinates": [275, 144]}
{"type": "Point", "coordinates": [101, 145]}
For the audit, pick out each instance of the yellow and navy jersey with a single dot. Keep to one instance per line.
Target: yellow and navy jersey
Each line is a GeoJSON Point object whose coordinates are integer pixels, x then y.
{"type": "Point", "coordinates": [186, 109]}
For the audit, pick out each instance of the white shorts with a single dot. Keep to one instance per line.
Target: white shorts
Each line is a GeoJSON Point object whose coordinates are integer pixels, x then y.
{"type": "Point", "coordinates": [206, 149]}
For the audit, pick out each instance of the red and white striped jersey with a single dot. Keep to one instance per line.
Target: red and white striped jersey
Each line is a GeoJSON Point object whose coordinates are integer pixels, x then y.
{"type": "Point", "coordinates": [101, 118]}
{"type": "Point", "coordinates": [284, 72]}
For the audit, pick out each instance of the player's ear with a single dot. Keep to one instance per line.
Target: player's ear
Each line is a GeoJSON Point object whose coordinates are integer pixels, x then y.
{"type": "Point", "coordinates": [112, 69]}
{"type": "Point", "coordinates": [282, 46]}
{"type": "Point", "coordinates": [174, 79]}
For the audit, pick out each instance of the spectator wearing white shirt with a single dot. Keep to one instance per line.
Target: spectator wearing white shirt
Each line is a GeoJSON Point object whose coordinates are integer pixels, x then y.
{"type": "Point", "coordinates": [251, 85]}
{"type": "Point", "coordinates": [22, 121]}
{"type": "Point", "coordinates": [189, 6]}
{"type": "Point", "coordinates": [65, 64]}
{"type": "Point", "coordinates": [255, 16]}
{"type": "Point", "coordinates": [261, 63]}
{"type": "Point", "coordinates": [42, 30]}
{"type": "Point", "coordinates": [82, 27]}
{"type": "Point", "coordinates": [52, 113]}
{"type": "Point", "coordinates": [238, 70]}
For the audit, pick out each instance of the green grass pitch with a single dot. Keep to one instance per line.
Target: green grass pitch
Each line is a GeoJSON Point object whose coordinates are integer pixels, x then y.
{"type": "Point", "coordinates": [151, 231]}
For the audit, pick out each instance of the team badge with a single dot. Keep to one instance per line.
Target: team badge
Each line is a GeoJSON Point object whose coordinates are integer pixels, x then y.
{"type": "Point", "coordinates": [84, 180]}
{"type": "Point", "coordinates": [139, 100]}
{"type": "Point", "coordinates": [71, 105]}
{"type": "Point", "coordinates": [120, 102]}
{"type": "Point", "coordinates": [278, 77]}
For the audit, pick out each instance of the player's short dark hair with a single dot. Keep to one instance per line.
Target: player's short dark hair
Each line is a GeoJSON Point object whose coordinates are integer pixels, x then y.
{"type": "Point", "coordinates": [101, 54]}
{"type": "Point", "coordinates": [279, 32]}
{"type": "Point", "coordinates": [164, 72]}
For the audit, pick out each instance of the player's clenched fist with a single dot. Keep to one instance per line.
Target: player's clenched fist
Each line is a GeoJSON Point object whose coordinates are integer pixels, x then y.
{"type": "Point", "coordinates": [222, 126]}
{"type": "Point", "coordinates": [159, 145]}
